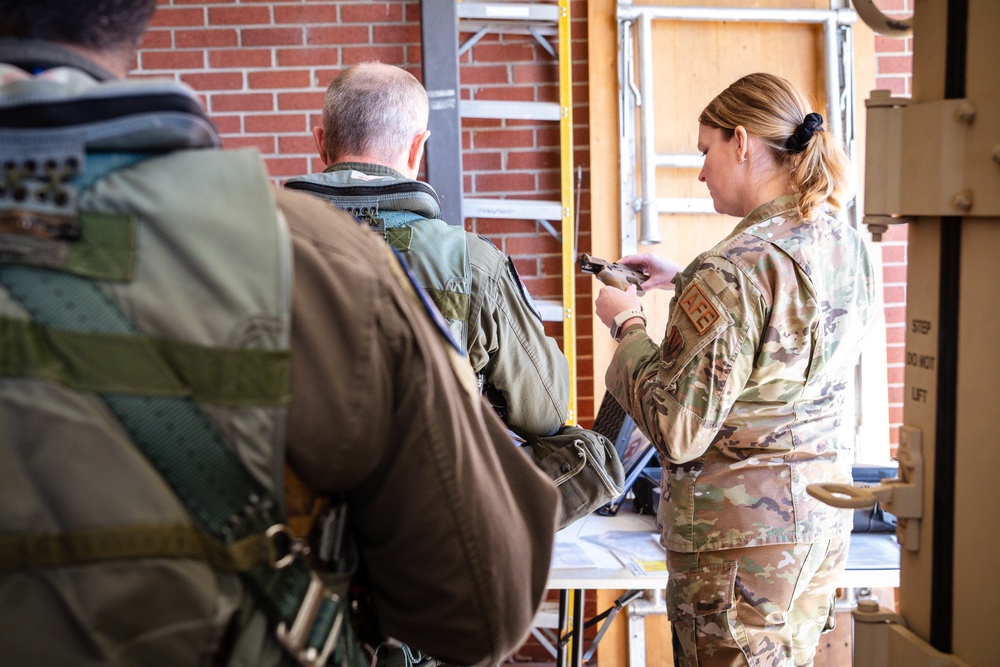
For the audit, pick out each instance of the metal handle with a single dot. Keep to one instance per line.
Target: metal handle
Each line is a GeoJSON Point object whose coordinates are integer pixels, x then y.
{"type": "Point", "coordinates": [842, 495]}
{"type": "Point", "coordinates": [880, 23]}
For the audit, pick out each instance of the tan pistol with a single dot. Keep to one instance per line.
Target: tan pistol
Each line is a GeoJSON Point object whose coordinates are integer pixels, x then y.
{"type": "Point", "coordinates": [615, 275]}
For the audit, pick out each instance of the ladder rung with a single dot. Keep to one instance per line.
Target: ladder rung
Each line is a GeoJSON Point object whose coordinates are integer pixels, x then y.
{"type": "Point", "coordinates": [508, 11]}
{"type": "Point", "coordinates": [511, 209]}
{"type": "Point", "coordinates": [512, 110]}
{"type": "Point", "coordinates": [550, 309]}
{"type": "Point", "coordinates": [685, 205]}
{"type": "Point", "coordinates": [680, 160]}
{"type": "Point", "coordinates": [509, 27]}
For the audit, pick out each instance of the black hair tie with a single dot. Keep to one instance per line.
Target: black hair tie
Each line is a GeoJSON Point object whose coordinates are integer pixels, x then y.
{"type": "Point", "coordinates": [812, 123]}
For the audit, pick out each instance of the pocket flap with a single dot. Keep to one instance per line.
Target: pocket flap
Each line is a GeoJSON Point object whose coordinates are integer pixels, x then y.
{"type": "Point", "coordinates": [700, 591]}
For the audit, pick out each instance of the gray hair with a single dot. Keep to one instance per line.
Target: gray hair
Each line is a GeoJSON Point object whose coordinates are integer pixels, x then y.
{"type": "Point", "coordinates": [373, 110]}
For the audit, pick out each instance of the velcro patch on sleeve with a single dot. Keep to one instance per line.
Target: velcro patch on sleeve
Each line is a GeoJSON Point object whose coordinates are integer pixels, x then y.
{"type": "Point", "coordinates": [671, 348]}
{"type": "Point", "coordinates": [425, 301]}
{"type": "Point", "coordinates": [699, 308]}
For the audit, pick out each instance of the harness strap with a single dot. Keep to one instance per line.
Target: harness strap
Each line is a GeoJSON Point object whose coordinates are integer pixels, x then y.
{"type": "Point", "coordinates": [131, 542]}
{"type": "Point", "coordinates": [202, 469]}
{"type": "Point", "coordinates": [204, 472]}
{"type": "Point", "coordinates": [61, 155]}
{"type": "Point", "coordinates": [146, 365]}
{"type": "Point", "coordinates": [399, 238]}
{"type": "Point", "coordinates": [453, 305]}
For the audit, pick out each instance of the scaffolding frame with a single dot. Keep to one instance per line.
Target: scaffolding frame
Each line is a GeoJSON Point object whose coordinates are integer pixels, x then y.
{"type": "Point", "coordinates": [635, 34]}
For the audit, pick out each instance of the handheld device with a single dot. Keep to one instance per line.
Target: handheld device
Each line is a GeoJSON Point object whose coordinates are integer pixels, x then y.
{"type": "Point", "coordinates": [615, 275]}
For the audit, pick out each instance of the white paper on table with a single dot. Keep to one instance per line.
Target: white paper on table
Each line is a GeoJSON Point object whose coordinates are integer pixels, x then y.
{"type": "Point", "coordinates": [569, 556]}
{"type": "Point", "coordinates": [640, 552]}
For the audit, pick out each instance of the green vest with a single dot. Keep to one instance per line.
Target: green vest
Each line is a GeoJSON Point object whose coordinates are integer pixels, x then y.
{"type": "Point", "coordinates": [100, 561]}
{"type": "Point", "coordinates": [407, 212]}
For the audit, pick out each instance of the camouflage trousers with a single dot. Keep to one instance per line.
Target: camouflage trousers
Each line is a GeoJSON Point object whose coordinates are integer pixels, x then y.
{"type": "Point", "coordinates": [758, 606]}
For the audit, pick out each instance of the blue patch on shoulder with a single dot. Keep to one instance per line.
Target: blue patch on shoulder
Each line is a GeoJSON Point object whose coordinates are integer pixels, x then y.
{"type": "Point", "coordinates": [516, 277]}
{"type": "Point", "coordinates": [488, 241]}
{"type": "Point", "coordinates": [429, 306]}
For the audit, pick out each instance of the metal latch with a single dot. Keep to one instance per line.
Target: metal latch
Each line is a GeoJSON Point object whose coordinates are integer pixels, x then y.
{"type": "Point", "coordinates": [314, 610]}
{"type": "Point", "coordinates": [902, 496]}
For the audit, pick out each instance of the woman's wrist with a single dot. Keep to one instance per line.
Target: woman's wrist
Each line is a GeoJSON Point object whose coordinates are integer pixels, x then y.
{"type": "Point", "coordinates": [624, 319]}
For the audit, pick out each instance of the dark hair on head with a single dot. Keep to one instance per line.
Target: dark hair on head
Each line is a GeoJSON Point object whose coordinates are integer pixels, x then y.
{"type": "Point", "coordinates": [93, 24]}
{"type": "Point", "coordinates": [774, 111]}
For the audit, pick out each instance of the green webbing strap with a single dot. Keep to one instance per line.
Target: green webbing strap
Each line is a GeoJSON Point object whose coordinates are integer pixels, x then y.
{"type": "Point", "coordinates": [173, 432]}
{"type": "Point", "coordinates": [131, 542]}
{"type": "Point", "coordinates": [135, 364]}
{"type": "Point", "coordinates": [204, 471]}
{"type": "Point", "coordinates": [101, 246]}
{"type": "Point", "coordinates": [106, 248]}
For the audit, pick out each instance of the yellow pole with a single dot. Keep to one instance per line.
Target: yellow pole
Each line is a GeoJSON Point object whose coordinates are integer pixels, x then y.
{"type": "Point", "coordinates": [566, 188]}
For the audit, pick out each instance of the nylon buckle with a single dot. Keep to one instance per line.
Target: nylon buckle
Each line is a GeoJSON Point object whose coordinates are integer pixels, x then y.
{"type": "Point", "coordinates": [295, 639]}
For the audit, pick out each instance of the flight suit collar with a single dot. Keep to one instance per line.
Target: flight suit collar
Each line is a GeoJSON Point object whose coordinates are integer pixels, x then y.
{"type": "Point", "coordinates": [367, 168]}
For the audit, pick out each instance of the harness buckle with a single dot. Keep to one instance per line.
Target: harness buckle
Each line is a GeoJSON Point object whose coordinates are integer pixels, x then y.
{"type": "Point", "coordinates": [321, 609]}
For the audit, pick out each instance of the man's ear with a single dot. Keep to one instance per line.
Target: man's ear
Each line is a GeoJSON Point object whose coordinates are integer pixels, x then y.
{"type": "Point", "coordinates": [319, 134]}
{"type": "Point", "coordinates": [417, 152]}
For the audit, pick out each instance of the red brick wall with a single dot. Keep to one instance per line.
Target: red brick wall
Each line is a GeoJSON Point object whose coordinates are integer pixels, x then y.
{"type": "Point", "coordinates": [261, 67]}
{"type": "Point", "coordinates": [893, 69]}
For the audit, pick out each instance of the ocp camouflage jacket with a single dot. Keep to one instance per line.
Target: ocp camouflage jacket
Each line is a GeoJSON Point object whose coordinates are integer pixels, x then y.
{"type": "Point", "coordinates": [745, 397]}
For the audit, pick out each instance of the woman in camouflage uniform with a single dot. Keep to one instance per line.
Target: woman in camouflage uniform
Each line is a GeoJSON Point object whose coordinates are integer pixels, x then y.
{"type": "Point", "coordinates": [744, 397]}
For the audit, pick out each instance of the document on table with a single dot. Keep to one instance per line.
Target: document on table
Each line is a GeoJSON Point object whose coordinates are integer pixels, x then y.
{"type": "Point", "coordinates": [569, 556]}
{"type": "Point", "coordinates": [640, 552]}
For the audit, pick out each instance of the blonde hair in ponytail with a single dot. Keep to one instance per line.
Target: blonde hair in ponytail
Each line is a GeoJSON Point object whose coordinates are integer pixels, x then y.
{"type": "Point", "coordinates": [772, 109]}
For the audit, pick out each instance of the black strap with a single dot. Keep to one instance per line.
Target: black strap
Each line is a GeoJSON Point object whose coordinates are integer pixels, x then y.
{"type": "Point", "coordinates": [68, 113]}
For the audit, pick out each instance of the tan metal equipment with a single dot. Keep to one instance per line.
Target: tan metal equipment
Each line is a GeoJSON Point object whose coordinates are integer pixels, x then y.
{"type": "Point", "coordinates": [934, 163]}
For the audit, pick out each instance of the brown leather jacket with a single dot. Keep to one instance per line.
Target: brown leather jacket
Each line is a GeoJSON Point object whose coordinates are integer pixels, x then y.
{"type": "Point", "coordinates": [451, 518]}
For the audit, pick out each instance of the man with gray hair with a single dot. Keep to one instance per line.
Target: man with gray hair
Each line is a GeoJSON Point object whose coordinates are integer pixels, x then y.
{"type": "Point", "coordinates": [232, 433]}
{"type": "Point", "coordinates": [372, 140]}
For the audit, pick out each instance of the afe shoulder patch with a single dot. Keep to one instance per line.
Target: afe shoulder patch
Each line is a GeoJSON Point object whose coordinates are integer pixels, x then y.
{"type": "Point", "coordinates": [699, 308]}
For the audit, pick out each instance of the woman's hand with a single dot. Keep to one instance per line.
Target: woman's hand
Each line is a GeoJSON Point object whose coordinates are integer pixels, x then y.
{"type": "Point", "coordinates": [661, 271]}
{"type": "Point", "coordinates": [611, 301]}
